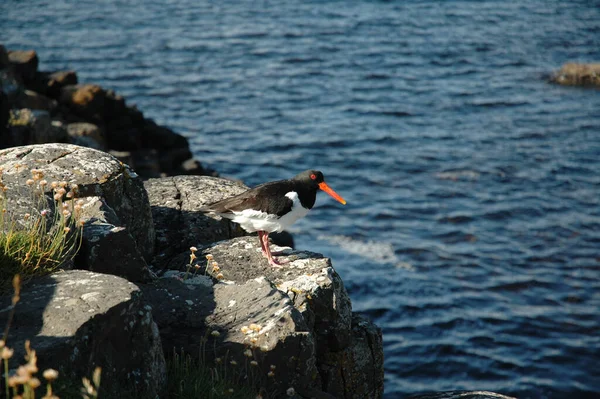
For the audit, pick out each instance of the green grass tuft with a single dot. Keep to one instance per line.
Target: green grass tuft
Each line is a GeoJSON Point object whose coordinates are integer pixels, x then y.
{"type": "Point", "coordinates": [190, 378]}
{"type": "Point", "coordinates": [43, 240]}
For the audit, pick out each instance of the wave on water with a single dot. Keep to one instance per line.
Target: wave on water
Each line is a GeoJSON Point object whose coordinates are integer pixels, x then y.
{"type": "Point", "coordinates": [376, 251]}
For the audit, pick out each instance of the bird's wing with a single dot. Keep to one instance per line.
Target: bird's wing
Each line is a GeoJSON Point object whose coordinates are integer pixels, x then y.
{"type": "Point", "coordinates": [266, 198]}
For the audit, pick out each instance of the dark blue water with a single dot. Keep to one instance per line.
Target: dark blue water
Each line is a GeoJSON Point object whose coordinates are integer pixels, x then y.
{"type": "Point", "coordinates": [472, 230]}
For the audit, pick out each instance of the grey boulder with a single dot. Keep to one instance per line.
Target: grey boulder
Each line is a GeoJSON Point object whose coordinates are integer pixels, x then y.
{"type": "Point", "coordinates": [179, 225]}
{"type": "Point", "coordinates": [107, 187]}
{"type": "Point", "coordinates": [77, 320]}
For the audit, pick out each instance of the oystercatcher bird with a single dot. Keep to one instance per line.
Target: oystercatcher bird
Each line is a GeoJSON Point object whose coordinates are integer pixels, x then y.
{"type": "Point", "coordinates": [273, 206]}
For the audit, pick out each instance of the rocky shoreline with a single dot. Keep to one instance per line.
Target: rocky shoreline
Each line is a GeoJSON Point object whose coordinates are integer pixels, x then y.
{"type": "Point", "coordinates": [54, 107]}
{"type": "Point", "coordinates": [133, 294]}
{"type": "Point", "coordinates": [129, 300]}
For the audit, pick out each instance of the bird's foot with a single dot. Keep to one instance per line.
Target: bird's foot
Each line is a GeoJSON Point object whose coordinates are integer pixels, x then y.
{"type": "Point", "coordinates": [277, 263]}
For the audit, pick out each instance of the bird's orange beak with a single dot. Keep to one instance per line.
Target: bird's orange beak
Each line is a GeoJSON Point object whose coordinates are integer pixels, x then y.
{"type": "Point", "coordinates": [329, 191]}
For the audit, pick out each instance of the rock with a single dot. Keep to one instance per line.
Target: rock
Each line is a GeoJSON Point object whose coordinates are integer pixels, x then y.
{"type": "Point", "coordinates": [4, 60]}
{"type": "Point", "coordinates": [87, 135]}
{"type": "Point", "coordinates": [574, 74]}
{"type": "Point", "coordinates": [160, 137]}
{"type": "Point", "coordinates": [156, 150]}
{"type": "Point", "coordinates": [316, 289]}
{"type": "Point", "coordinates": [347, 353]}
{"type": "Point", "coordinates": [282, 342]}
{"type": "Point", "coordinates": [173, 158]}
{"type": "Point", "coordinates": [55, 81]}
{"type": "Point", "coordinates": [4, 116]}
{"type": "Point", "coordinates": [108, 247]}
{"type": "Point", "coordinates": [98, 175]}
{"type": "Point", "coordinates": [10, 85]}
{"type": "Point", "coordinates": [24, 63]}
{"type": "Point", "coordinates": [145, 162]}
{"type": "Point", "coordinates": [34, 126]}
{"type": "Point", "coordinates": [283, 239]}
{"type": "Point", "coordinates": [461, 395]}
{"type": "Point", "coordinates": [193, 167]}
{"type": "Point", "coordinates": [175, 202]}
{"type": "Point", "coordinates": [86, 100]}
{"type": "Point", "coordinates": [153, 163]}
{"type": "Point", "coordinates": [77, 320]}
{"type": "Point", "coordinates": [348, 349]}
{"type": "Point", "coordinates": [33, 100]}
{"type": "Point", "coordinates": [351, 370]}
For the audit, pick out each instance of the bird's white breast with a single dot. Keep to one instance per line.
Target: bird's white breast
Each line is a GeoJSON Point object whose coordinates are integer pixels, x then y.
{"type": "Point", "coordinates": [253, 220]}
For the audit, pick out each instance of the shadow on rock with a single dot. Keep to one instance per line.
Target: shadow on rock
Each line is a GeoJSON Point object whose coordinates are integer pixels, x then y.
{"type": "Point", "coordinates": [77, 320]}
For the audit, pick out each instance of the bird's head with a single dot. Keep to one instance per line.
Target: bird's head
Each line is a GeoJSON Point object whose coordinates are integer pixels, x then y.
{"type": "Point", "coordinates": [315, 179]}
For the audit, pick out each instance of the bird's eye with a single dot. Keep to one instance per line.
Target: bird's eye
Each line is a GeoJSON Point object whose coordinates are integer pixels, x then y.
{"type": "Point", "coordinates": [313, 176]}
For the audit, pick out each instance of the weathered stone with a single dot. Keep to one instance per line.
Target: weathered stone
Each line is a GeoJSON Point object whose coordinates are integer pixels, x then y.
{"type": "Point", "coordinates": [173, 158]}
{"type": "Point", "coordinates": [461, 395]}
{"type": "Point", "coordinates": [338, 354]}
{"type": "Point", "coordinates": [24, 63]}
{"type": "Point", "coordinates": [283, 239]}
{"type": "Point", "coordinates": [279, 338]}
{"type": "Point", "coordinates": [175, 202]}
{"type": "Point", "coordinates": [11, 86]}
{"type": "Point", "coordinates": [78, 320]}
{"type": "Point", "coordinates": [55, 81]}
{"type": "Point", "coordinates": [87, 135]}
{"type": "Point", "coordinates": [160, 137]}
{"type": "Point", "coordinates": [108, 247]}
{"type": "Point", "coordinates": [33, 100]}
{"type": "Point", "coordinates": [97, 174]}
{"type": "Point", "coordinates": [35, 126]}
{"type": "Point", "coordinates": [86, 100]}
{"type": "Point", "coordinates": [317, 290]}
{"type": "Point", "coordinates": [574, 74]}
{"type": "Point", "coordinates": [357, 370]}
{"type": "Point", "coordinates": [193, 167]}
{"type": "Point", "coordinates": [4, 60]}
{"type": "Point", "coordinates": [4, 116]}
{"type": "Point", "coordinates": [145, 162]}
{"type": "Point", "coordinates": [343, 350]}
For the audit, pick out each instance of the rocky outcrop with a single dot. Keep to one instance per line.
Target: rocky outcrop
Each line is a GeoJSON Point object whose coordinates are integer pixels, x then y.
{"type": "Point", "coordinates": [302, 316]}
{"type": "Point", "coordinates": [175, 202]}
{"type": "Point", "coordinates": [48, 107]}
{"type": "Point", "coordinates": [77, 320]}
{"type": "Point", "coordinates": [348, 351]}
{"type": "Point", "coordinates": [575, 74]}
{"type": "Point", "coordinates": [118, 231]}
{"type": "Point", "coordinates": [296, 320]}
{"type": "Point", "coordinates": [290, 327]}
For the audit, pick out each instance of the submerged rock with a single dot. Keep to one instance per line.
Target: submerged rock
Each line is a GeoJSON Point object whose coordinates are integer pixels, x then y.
{"type": "Point", "coordinates": [574, 74]}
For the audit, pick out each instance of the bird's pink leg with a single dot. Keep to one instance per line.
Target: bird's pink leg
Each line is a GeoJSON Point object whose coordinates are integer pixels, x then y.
{"type": "Point", "coordinates": [262, 243]}
{"type": "Point", "coordinates": [272, 261]}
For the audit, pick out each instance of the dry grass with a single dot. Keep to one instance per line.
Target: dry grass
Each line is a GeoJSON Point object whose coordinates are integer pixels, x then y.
{"type": "Point", "coordinates": [44, 239]}
{"type": "Point", "coordinates": [37, 244]}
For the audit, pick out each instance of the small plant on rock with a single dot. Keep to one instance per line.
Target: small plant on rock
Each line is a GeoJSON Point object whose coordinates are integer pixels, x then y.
{"type": "Point", "coordinates": [41, 241]}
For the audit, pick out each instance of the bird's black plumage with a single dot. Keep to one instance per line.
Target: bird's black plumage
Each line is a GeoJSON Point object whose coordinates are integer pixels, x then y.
{"type": "Point", "coordinates": [270, 197]}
